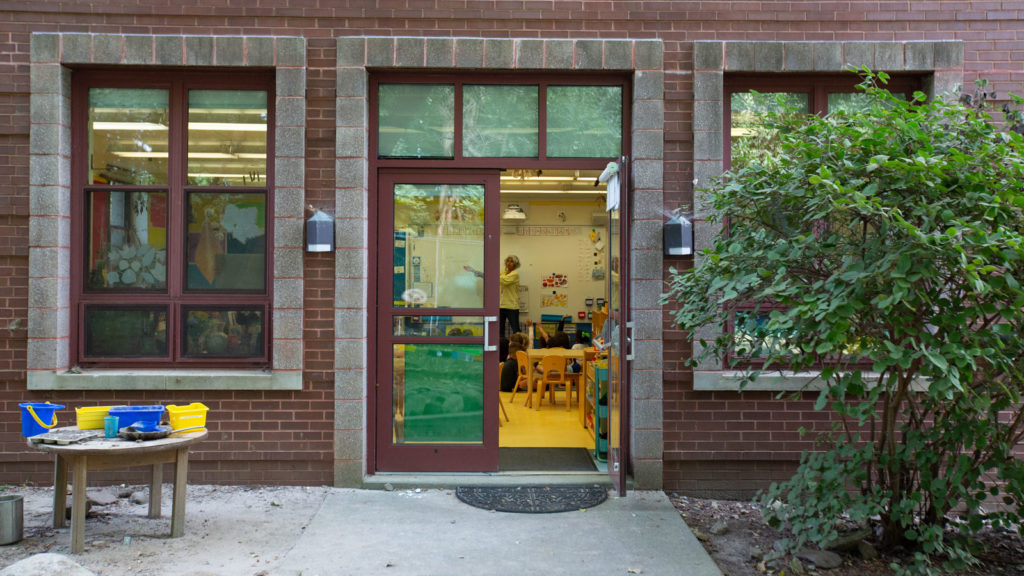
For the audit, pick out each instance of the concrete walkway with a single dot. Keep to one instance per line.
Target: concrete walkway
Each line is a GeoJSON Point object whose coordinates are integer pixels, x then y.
{"type": "Point", "coordinates": [403, 533]}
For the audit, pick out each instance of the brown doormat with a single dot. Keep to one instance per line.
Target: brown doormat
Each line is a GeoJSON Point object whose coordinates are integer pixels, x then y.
{"type": "Point", "coordinates": [532, 499]}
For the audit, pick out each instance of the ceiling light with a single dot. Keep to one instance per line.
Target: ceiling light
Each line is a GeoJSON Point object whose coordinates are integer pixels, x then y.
{"type": "Point", "coordinates": [127, 126]}
{"type": "Point", "coordinates": [593, 191]}
{"type": "Point", "coordinates": [231, 126]}
{"type": "Point", "coordinates": [513, 212]}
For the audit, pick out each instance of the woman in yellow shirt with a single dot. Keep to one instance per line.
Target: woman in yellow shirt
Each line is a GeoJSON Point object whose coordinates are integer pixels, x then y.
{"type": "Point", "coordinates": [508, 305]}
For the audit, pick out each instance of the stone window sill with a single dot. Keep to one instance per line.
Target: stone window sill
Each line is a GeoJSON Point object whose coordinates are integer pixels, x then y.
{"type": "Point", "coordinates": [126, 379]}
{"type": "Point", "coordinates": [767, 382]}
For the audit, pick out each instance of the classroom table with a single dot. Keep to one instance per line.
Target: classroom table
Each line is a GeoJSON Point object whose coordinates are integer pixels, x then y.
{"type": "Point", "coordinates": [114, 453]}
{"type": "Point", "coordinates": [537, 354]}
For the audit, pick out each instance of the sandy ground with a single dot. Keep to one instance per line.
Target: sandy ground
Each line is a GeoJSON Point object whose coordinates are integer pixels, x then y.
{"type": "Point", "coordinates": [229, 530]}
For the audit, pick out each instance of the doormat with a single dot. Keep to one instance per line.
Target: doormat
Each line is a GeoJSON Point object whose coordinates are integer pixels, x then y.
{"type": "Point", "coordinates": [532, 499]}
{"type": "Point", "coordinates": [545, 460]}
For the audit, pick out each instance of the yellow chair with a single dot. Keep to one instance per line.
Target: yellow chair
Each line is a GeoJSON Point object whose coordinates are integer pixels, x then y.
{"type": "Point", "coordinates": [500, 403]}
{"type": "Point", "coordinates": [523, 362]}
{"type": "Point", "coordinates": [553, 368]}
{"type": "Point", "coordinates": [572, 378]}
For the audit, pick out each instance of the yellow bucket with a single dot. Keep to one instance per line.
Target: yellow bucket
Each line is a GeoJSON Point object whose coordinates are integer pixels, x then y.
{"type": "Point", "coordinates": [91, 417]}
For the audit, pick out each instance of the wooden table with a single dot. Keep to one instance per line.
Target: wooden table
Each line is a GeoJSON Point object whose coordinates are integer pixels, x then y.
{"type": "Point", "coordinates": [113, 453]}
{"type": "Point", "coordinates": [538, 354]}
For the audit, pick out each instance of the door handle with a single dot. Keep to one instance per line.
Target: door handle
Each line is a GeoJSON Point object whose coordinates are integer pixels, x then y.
{"type": "Point", "coordinates": [629, 341]}
{"type": "Point", "coordinates": [487, 333]}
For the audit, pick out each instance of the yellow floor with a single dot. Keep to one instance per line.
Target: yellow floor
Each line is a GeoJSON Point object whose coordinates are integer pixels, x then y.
{"type": "Point", "coordinates": [549, 427]}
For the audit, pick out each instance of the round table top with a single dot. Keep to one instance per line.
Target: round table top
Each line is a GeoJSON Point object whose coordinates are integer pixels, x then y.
{"type": "Point", "coordinates": [102, 445]}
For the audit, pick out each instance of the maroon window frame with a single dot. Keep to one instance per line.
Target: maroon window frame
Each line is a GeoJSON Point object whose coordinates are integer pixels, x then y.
{"type": "Point", "coordinates": [818, 87]}
{"type": "Point", "coordinates": [176, 298]}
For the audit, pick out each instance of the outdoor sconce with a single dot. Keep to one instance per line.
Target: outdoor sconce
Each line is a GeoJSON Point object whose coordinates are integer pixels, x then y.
{"type": "Point", "coordinates": [320, 232]}
{"type": "Point", "coordinates": [678, 237]}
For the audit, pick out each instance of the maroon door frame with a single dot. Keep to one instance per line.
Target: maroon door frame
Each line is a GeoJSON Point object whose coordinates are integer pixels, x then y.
{"type": "Point", "coordinates": [436, 457]}
{"type": "Point", "coordinates": [618, 456]}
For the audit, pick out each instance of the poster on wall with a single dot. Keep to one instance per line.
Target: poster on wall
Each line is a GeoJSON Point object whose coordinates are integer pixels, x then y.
{"type": "Point", "coordinates": [554, 300]}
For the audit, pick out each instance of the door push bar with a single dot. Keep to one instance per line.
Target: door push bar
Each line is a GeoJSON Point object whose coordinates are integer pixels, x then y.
{"type": "Point", "coordinates": [629, 341]}
{"type": "Point", "coordinates": [487, 333]}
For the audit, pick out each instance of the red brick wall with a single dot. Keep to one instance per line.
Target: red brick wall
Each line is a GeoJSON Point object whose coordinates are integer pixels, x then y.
{"type": "Point", "coordinates": [285, 437]}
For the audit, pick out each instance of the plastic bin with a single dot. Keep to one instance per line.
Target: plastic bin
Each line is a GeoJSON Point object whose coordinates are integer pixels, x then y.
{"type": "Point", "coordinates": [91, 417]}
{"type": "Point", "coordinates": [187, 416]}
{"type": "Point", "coordinates": [38, 417]}
{"type": "Point", "coordinates": [148, 416]}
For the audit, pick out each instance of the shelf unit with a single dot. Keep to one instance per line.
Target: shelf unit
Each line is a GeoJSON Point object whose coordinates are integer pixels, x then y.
{"type": "Point", "coordinates": [596, 412]}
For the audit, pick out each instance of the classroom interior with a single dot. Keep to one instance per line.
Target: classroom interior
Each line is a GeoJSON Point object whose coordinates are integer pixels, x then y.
{"type": "Point", "coordinates": [555, 222]}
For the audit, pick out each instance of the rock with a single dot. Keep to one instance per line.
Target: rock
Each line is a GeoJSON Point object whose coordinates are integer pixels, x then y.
{"type": "Point", "coordinates": [821, 558]}
{"type": "Point", "coordinates": [67, 510]}
{"type": "Point", "coordinates": [46, 565]}
{"type": "Point", "coordinates": [796, 567]}
{"type": "Point", "coordinates": [699, 535]}
{"type": "Point", "coordinates": [867, 551]}
{"type": "Point", "coordinates": [139, 497]}
{"type": "Point", "coordinates": [103, 497]}
{"type": "Point", "coordinates": [388, 487]}
{"type": "Point", "coordinates": [847, 542]}
{"type": "Point", "coordinates": [718, 527]}
{"type": "Point", "coordinates": [124, 492]}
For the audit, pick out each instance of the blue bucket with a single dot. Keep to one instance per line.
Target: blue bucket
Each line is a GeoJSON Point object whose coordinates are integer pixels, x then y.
{"type": "Point", "coordinates": [38, 417]}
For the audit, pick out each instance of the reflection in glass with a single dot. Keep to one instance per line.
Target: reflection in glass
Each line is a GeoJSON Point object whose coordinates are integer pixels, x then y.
{"type": "Point", "coordinates": [128, 136]}
{"type": "Point", "coordinates": [500, 121]}
{"type": "Point", "coordinates": [438, 394]}
{"type": "Point", "coordinates": [127, 242]}
{"type": "Point", "coordinates": [226, 241]}
{"type": "Point", "coordinates": [439, 230]}
{"type": "Point", "coordinates": [438, 326]}
{"type": "Point", "coordinates": [224, 333]}
{"type": "Point", "coordinates": [749, 137]}
{"type": "Point", "coordinates": [227, 137]}
{"type": "Point", "coordinates": [416, 120]}
{"type": "Point", "coordinates": [125, 332]}
{"type": "Point", "coordinates": [854, 102]}
{"type": "Point", "coordinates": [584, 121]}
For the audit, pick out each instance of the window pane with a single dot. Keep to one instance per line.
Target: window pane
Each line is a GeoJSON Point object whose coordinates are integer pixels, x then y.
{"type": "Point", "coordinates": [854, 102]}
{"type": "Point", "coordinates": [416, 120]}
{"type": "Point", "coordinates": [224, 333]}
{"type": "Point", "coordinates": [500, 121]}
{"type": "Point", "coordinates": [439, 230]}
{"type": "Point", "coordinates": [438, 394]}
{"type": "Point", "coordinates": [226, 241]}
{"type": "Point", "coordinates": [227, 137]}
{"type": "Point", "coordinates": [125, 332]}
{"type": "Point", "coordinates": [128, 136]}
{"type": "Point", "coordinates": [127, 242]}
{"type": "Point", "coordinates": [584, 121]}
{"type": "Point", "coordinates": [438, 326]}
{"type": "Point", "coordinates": [748, 138]}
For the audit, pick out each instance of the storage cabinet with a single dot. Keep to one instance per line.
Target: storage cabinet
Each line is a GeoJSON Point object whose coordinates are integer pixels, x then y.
{"type": "Point", "coordinates": [596, 411]}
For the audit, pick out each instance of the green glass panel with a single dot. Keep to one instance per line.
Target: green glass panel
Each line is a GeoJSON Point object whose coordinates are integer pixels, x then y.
{"type": "Point", "coordinates": [749, 138]}
{"type": "Point", "coordinates": [854, 102]}
{"type": "Point", "coordinates": [584, 121]}
{"type": "Point", "coordinates": [438, 232]}
{"type": "Point", "coordinates": [500, 121]}
{"type": "Point", "coordinates": [472, 326]}
{"type": "Point", "coordinates": [128, 136]}
{"type": "Point", "coordinates": [438, 394]}
{"type": "Point", "coordinates": [416, 121]}
{"type": "Point", "coordinates": [227, 137]}
{"type": "Point", "coordinates": [125, 332]}
{"type": "Point", "coordinates": [127, 241]}
{"type": "Point", "coordinates": [236, 333]}
{"type": "Point", "coordinates": [227, 241]}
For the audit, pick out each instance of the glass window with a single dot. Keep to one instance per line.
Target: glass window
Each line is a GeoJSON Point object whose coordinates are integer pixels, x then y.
{"type": "Point", "coordinates": [227, 137]}
{"type": "Point", "coordinates": [127, 240]}
{"type": "Point", "coordinates": [172, 233]}
{"type": "Point", "coordinates": [584, 121]}
{"type": "Point", "coordinates": [227, 248]}
{"type": "Point", "coordinates": [416, 120]}
{"type": "Point", "coordinates": [500, 121]}
{"type": "Point", "coordinates": [439, 398]}
{"type": "Point", "coordinates": [128, 136]}
{"type": "Point", "coordinates": [748, 115]}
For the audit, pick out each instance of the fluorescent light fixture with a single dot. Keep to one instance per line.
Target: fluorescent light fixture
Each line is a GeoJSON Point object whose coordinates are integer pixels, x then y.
{"type": "Point", "coordinates": [223, 155]}
{"type": "Point", "coordinates": [230, 126]}
{"type": "Point", "coordinates": [141, 154]}
{"type": "Point", "coordinates": [539, 178]}
{"type": "Point", "coordinates": [513, 212]}
{"type": "Point", "coordinates": [127, 126]}
{"type": "Point", "coordinates": [215, 175]}
{"type": "Point", "coordinates": [251, 155]}
{"type": "Point", "coordinates": [589, 192]}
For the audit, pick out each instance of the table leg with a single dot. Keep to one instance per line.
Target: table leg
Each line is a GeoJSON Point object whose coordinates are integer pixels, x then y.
{"type": "Point", "coordinates": [180, 486]}
{"type": "Point", "coordinates": [581, 389]}
{"type": "Point", "coordinates": [79, 465]}
{"type": "Point", "coordinates": [60, 490]}
{"type": "Point", "coordinates": [156, 485]}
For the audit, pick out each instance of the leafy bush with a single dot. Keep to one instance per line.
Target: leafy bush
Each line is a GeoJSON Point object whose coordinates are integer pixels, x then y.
{"type": "Point", "coordinates": [885, 249]}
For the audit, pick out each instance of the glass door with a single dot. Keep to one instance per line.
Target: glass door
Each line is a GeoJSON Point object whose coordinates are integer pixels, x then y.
{"type": "Point", "coordinates": [437, 285]}
{"type": "Point", "coordinates": [617, 328]}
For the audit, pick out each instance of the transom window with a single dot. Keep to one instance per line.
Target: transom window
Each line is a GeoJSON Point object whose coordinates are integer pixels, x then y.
{"type": "Point", "coordinates": [442, 118]}
{"type": "Point", "coordinates": [171, 201]}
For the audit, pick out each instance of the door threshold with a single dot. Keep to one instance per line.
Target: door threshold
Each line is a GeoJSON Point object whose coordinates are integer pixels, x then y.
{"type": "Point", "coordinates": [450, 480]}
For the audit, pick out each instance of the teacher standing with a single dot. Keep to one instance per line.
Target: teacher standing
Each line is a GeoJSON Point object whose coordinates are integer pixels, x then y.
{"type": "Point", "coordinates": [508, 305]}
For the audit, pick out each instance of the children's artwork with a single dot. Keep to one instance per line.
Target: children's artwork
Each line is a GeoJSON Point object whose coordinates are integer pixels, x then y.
{"type": "Point", "coordinates": [554, 281]}
{"type": "Point", "coordinates": [554, 300]}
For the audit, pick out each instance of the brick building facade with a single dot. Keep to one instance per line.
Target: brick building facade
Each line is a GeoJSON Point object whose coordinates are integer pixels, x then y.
{"type": "Point", "coordinates": [308, 418]}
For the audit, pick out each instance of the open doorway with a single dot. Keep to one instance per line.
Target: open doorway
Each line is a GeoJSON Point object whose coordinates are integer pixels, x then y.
{"type": "Point", "coordinates": [555, 225]}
